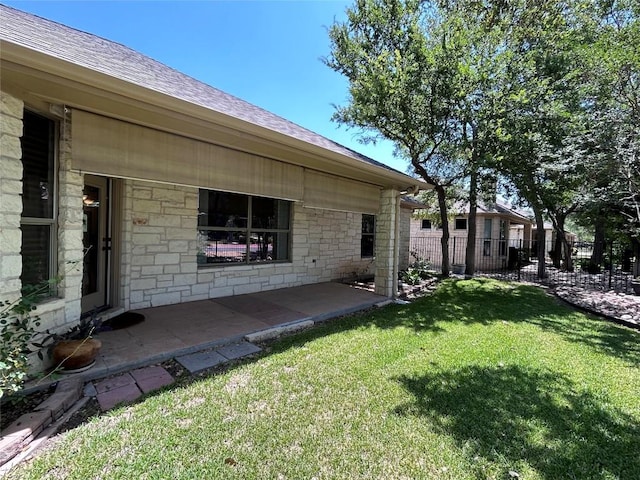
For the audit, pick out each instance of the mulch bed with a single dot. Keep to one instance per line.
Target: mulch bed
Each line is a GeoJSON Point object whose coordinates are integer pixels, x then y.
{"type": "Point", "coordinates": [15, 406]}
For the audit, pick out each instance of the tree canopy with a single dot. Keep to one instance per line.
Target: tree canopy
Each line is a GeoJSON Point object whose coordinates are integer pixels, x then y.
{"type": "Point", "coordinates": [544, 94]}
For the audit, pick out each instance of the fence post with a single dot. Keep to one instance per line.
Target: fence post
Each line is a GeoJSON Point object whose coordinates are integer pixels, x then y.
{"type": "Point", "coordinates": [519, 253]}
{"type": "Point", "coordinates": [453, 260]}
{"type": "Point", "coordinates": [610, 263]}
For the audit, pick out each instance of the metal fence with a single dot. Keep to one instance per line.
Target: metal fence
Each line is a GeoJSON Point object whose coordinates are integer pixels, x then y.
{"type": "Point", "coordinates": [606, 266]}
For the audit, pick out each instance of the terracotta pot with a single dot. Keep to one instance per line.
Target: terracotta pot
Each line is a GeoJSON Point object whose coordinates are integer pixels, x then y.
{"type": "Point", "coordinates": [74, 354]}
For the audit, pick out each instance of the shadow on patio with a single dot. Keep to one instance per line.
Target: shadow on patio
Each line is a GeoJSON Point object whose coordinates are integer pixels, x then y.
{"type": "Point", "coordinates": [175, 330]}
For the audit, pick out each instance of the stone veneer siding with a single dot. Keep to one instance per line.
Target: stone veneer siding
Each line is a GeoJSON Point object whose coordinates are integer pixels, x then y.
{"type": "Point", "coordinates": [11, 111]}
{"type": "Point", "coordinates": [159, 235]}
{"type": "Point", "coordinates": [385, 281]}
{"type": "Point", "coordinates": [58, 313]}
{"type": "Point", "coordinates": [70, 233]}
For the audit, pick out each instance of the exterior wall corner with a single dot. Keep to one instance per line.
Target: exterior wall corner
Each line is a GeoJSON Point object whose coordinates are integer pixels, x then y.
{"type": "Point", "coordinates": [387, 238]}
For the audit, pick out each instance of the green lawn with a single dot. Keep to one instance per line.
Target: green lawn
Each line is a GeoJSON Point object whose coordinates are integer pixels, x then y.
{"type": "Point", "coordinates": [480, 380]}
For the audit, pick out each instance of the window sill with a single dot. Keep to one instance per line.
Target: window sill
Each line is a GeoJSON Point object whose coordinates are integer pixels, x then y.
{"type": "Point", "coordinates": [208, 266]}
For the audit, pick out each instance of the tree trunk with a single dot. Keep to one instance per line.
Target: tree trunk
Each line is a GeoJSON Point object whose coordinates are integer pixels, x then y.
{"type": "Point", "coordinates": [597, 256]}
{"type": "Point", "coordinates": [470, 263]}
{"type": "Point", "coordinates": [565, 248]}
{"type": "Point", "coordinates": [444, 241]}
{"type": "Point", "coordinates": [636, 249]}
{"type": "Point", "coordinates": [562, 249]}
{"type": "Point", "coordinates": [568, 258]}
{"type": "Point", "coordinates": [442, 204]}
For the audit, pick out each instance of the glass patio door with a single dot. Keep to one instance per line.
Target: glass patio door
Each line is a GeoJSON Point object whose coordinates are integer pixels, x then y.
{"type": "Point", "coordinates": [96, 243]}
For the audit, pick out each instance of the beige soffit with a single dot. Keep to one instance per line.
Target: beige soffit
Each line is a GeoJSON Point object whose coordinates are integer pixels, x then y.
{"type": "Point", "coordinates": [106, 146]}
{"type": "Point", "coordinates": [335, 193]}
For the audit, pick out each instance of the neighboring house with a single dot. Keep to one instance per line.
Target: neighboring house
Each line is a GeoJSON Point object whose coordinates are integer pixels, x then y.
{"type": "Point", "coordinates": [518, 233]}
{"type": "Point", "coordinates": [144, 187]}
{"type": "Point", "coordinates": [493, 236]}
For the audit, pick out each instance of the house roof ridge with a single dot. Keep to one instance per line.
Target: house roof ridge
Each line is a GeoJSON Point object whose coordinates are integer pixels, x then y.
{"type": "Point", "coordinates": [119, 61]}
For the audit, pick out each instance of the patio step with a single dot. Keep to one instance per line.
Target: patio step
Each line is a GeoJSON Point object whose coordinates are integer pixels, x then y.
{"type": "Point", "coordinates": [269, 333]}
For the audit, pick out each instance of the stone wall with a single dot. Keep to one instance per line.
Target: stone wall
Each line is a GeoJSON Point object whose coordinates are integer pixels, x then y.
{"type": "Point", "coordinates": [62, 310]}
{"type": "Point", "coordinates": [11, 111]}
{"type": "Point", "coordinates": [386, 279]}
{"type": "Point", "coordinates": [70, 213]}
{"type": "Point", "coordinates": [160, 232]}
{"type": "Point", "coordinates": [160, 236]}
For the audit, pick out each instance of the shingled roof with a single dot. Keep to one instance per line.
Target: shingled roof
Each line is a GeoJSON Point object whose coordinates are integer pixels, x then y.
{"type": "Point", "coordinates": [123, 63]}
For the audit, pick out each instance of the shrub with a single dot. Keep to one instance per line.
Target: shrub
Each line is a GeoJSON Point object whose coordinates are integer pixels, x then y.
{"type": "Point", "coordinates": [417, 271]}
{"type": "Point", "coordinates": [18, 328]}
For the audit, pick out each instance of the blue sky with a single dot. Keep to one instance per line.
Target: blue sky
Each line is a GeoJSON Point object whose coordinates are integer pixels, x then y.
{"type": "Point", "coordinates": [265, 52]}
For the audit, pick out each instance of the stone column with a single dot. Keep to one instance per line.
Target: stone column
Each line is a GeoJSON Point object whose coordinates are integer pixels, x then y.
{"type": "Point", "coordinates": [11, 110]}
{"type": "Point", "coordinates": [70, 212]}
{"type": "Point", "coordinates": [386, 282]}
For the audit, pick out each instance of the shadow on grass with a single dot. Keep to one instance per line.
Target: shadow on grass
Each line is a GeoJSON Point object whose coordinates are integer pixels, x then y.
{"type": "Point", "coordinates": [485, 301]}
{"type": "Point", "coordinates": [476, 301]}
{"type": "Point", "coordinates": [511, 415]}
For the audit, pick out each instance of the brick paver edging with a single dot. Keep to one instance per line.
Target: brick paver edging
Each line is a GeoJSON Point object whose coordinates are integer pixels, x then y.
{"type": "Point", "coordinates": [25, 429]}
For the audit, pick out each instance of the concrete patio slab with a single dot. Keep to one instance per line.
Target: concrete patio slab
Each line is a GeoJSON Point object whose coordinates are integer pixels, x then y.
{"type": "Point", "coordinates": [177, 330]}
{"type": "Point", "coordinates": [260, 309]}
{"type": "Point", "coordinates": [238, 350]}
{"type": "Point", "coordinates": [197, 362]}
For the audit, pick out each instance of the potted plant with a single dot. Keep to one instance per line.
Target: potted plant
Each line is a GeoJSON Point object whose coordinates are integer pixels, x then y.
{"type": "Point", "coordinates": [74, 349]}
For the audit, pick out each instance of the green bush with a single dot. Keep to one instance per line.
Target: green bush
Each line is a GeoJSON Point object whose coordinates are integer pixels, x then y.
{"type": "Point", "coordinates": [18, 330]}
{"type": "Point", "coordinates": [417, 271]}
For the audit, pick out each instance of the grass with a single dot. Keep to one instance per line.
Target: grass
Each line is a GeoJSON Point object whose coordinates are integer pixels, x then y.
{"type": "Point", "coordinates": [480, 380]}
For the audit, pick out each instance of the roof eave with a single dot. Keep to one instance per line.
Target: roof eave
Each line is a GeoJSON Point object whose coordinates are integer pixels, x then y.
{"type": "Point", "coordinates": [83, 88]}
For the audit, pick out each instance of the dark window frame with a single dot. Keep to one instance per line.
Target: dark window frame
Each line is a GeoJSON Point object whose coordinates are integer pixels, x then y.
{"type": "Point", "coordinates": [368, 236]}
{"type": "Point", "coordinates": [47, 190]}
{"type": "Point", "coordinates": [486, 244]}
{"type": "Point", "coordinates": [429, 224]}
{"type": "Point", "coordinates": [455, 224]}
{"type": "Point", "coordinates": [246, 234]}
{"type": "Point", "coordinates": [502, 240]}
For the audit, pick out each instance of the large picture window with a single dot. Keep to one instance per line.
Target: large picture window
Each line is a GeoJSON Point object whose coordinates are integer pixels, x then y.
{"type": "Point", "coordinates": [368, 241]}
{"type": "Point", "coordinates": [38, 199]}
{"type": "Point", "coordinates": [235, 228]}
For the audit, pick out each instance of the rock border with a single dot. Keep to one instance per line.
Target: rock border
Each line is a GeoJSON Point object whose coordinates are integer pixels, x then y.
{"type": "Point", "coordinates": [592, 311]}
